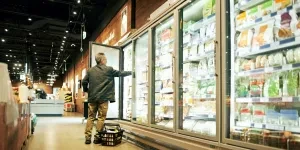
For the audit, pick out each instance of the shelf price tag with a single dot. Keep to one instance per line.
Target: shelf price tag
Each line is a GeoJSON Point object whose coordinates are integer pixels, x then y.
{"type": "Point", "coordinates": [287, 99]}
{"type": "Point", "coordinates": [269, 69]}
{"type": "Point", "coordinates": [275, 127]}
{"type": "Point", "coordinates": [287, 67]}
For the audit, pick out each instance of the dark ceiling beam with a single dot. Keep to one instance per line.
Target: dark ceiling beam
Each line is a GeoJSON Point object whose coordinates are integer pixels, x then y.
{"type": "Point", "coordinates": [17, 38]}
{"type": "Point", "coordinates": [23, 48]}
{"type": "Point", "coordinates": [72, 3]}
{"type": "Point", "coordinates": [30, 15]}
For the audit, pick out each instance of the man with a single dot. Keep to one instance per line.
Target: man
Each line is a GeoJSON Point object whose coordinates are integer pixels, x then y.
{"type": "Point", "coordinates": [99, 83]}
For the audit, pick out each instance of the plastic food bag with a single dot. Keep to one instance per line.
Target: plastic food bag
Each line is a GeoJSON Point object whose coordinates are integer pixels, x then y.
{"type": "Point", "coordinates": [252, 14]}
{"type": "Point", "coordinates": [295, 22]}
{"type": "Point", "coordinates": [290, 56]}
{"type": "Point", "coordinates": [283, 26]}
{"type": "Point", "coordinates": [208, 8]}
{"type": "Point", "coordinates": [241, 19]}
{"type": "Point", "coordinates": [263, 34]}
{"type": "Point", "coordinates": [261, 61]}
{"type": "Point", "coordinates": [244, 41]}
{"type": "Point", "coordinates": [266, 8]}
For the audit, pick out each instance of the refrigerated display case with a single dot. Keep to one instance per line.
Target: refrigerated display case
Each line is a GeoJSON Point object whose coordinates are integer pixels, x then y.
{"type": "Point", "coordinates": [264, 74]}
{"type": "Point", "coordinates": [197, 60]}
{"type": "Point", "coordinates": [141, 67]}
{"type": "Point", "coordinates": [163, 92]}
{"type": "Point", "coordinates": [127, 82]}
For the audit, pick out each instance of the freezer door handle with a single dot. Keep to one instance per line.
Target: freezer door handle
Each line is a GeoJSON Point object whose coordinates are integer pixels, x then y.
{"type": "Point", "coordinates": [215, 51]}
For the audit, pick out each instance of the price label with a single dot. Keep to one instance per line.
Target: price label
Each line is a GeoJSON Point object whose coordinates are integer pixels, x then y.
{"type": "Point", "coordinates": [263, 99]}
{"type": "Point", "coordinates": [258, 125]}
{"type": "Point", "coordinates": [275, 127]}
{"type": "Point", "coordinates": [287, 99]}
{"type": "Point", "coordinates": [269, 69]}
{"type": "Point", "coordinates": [287, 67]}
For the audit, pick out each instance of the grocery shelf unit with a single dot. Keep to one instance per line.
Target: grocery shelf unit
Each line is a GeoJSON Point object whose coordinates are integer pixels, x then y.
{"type": "Point", "coordinates": [261, 72]}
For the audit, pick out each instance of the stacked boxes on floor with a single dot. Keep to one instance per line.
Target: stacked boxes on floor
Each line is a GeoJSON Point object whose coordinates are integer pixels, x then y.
{"type": "Point", "coordinates": [14, 135]}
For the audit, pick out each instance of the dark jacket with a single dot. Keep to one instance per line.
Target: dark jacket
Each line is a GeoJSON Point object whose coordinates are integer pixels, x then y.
{"type": "Point", "coordinates": [99, 83]}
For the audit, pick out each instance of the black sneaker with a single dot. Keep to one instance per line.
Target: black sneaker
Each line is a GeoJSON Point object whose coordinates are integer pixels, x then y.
{"type": "Point", "coordinates": [97, 141]}
{"type": "Point", "coordinates": [88, 141]}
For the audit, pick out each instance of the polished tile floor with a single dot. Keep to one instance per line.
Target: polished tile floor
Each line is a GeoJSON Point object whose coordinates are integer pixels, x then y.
{"type": "Point", "coordinates": [66, 133]}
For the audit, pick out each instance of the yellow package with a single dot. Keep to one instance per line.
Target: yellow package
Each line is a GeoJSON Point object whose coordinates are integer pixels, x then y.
{"type": "Point", "coordinates": [280, 4]}
{"type": "Point", "coordinates": [241, 19]}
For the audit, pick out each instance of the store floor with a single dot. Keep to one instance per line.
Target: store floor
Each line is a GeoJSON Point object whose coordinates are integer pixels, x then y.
{"type": "Point", "coordinates": [66, 133]}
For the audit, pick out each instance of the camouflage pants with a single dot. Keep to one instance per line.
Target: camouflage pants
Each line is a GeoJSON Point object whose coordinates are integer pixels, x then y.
{"type": "Point", "coordinates": [93, 109]}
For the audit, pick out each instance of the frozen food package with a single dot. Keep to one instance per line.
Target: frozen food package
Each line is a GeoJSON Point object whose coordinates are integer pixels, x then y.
{"type": "Point", "coordinates": [297, 55]}
{"type": "Point", "coordinates": [211, 30]}
{"type": "Point", "coordinates": [258, 113]}
{"type": "Point", "coordinates": [245, 113]}
{"type": "Point", "coordinates": [185, 54]}
{"type": "Point", "coordinates": [208, 8]}
{"type": "Point", "coordinates": [271, 60]}
{"type": "Point", "coordinates": [241, 19]}
{"type": "Point", "coordinates": [266, 8]}
{"type": "Point", "coordinates": [278, 59]}
{"type": "Point", "coordinates": [263, 34]}
{"type": "Point", "coordinates": [211, 65]}
{"type": "Point", "coordinates": [193, 50]}
{"type": "Point", "coordinates": [282, 26]}
{"type": "Point", "coordinates": [209, 46]}
{"type": "Point", "coordinates": [202, 67]}
{"type": "Point", "coordinates": [264, 61]}
{"type": "Point", "coordinates": [292, 82]}
{"type": "Point", "coordinates": [272, 117]}
{"type": "Point", "coordinates": [295, 22]}
{"type": "Point", "coordinates": [248, 65]}
{"type": "Point", "coordinates": [252, 14]}
{"type": "Point", "coordinates": [280, 4]}
{"type": "Point", "coordinates": [257, 62]}
{"type": "Point", "coordinates": [290, 56]}
{"type": "Point", "coordinates": [201, 49]}
{"type": "Point", "coordinates": [202, 33]}
{"type": "Point", "coordinates": [273, 86]}
{"type": "Point", "coordinates": [244, 41]}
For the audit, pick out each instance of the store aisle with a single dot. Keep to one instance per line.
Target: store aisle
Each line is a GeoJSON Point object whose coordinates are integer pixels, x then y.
{"type": "Point", "coordinates": [65, 133]}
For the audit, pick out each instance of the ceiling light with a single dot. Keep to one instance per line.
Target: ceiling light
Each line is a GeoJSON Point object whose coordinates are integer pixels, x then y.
{"type": "Point", "coordinates": [33, 44]}
{"type": "Point", "coordinates": [29, 33]}
{"type": "Point", "coordinates": [78, 1]}
{"type": "Point", "coordinates": [20, 65]}
{"type": "Point", "coordinates": [73, 45]}
{"type": "Point", "coordinates": [36, 59]}
{"type": "Point", "coordinates": [65, 37]}
{"type": "Point", "coordinates": [3, 40]}
{"type": "Point", "coordinates": [6, 55]}
{"type": "Point", "coordinates": [58, 52]}
{"type": "Point", "coordinates": [71, 21]}
{"type": "Point", "coordinates": [29, 19]}
{"type": "Point", "coordinates": [62, 49]}
{"type": "Point", "coordinates": [74, 12]}
{"type": "Point", "coordinates": [67, 31]}
{"type": "Point", "coordinates": [6, 30]}
{"type": "Point", "coordinates": [16, 64]}
{"type": "Point", "coordinates": [37, 63]}
{"type": "Point", "coordinates": [34, 52]}
{"type": "Point", "coordinates": [10, 56]}
{"type": "Point", "coordinates": [10, 50]}
{"type": "Point", "coordinates": [13, 67]}
{"type": "Point", "coordinates": [8, 60]}
{"type": "Point", "coordinates": [63, 41]}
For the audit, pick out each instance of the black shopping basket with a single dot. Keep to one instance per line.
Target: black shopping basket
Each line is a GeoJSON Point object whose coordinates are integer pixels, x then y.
{"type": "Point", "coordinates": [111, 134]}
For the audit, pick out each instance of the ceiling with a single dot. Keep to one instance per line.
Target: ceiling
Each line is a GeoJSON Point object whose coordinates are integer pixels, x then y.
{"type": "Point", "coordinates": [45, 34]}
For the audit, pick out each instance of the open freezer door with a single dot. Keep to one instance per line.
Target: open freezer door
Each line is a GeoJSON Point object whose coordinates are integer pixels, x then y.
{"type": "Point", "coordinates": [113, 59]}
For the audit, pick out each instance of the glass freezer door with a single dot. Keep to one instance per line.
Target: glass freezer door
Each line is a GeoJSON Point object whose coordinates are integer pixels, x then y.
{"type": "Point", "coordinates": [197, 111]}
{"type": "Point", "coordinates": [163, 89]}
{"type": "Point", "coordinates": [113, 59]}
{"type": "Point", "coordinates": [263, 81]}
{"type": "Point", "coordinates": [127, 82]}
{"type": "Point", "coordinates": [140, 102]}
